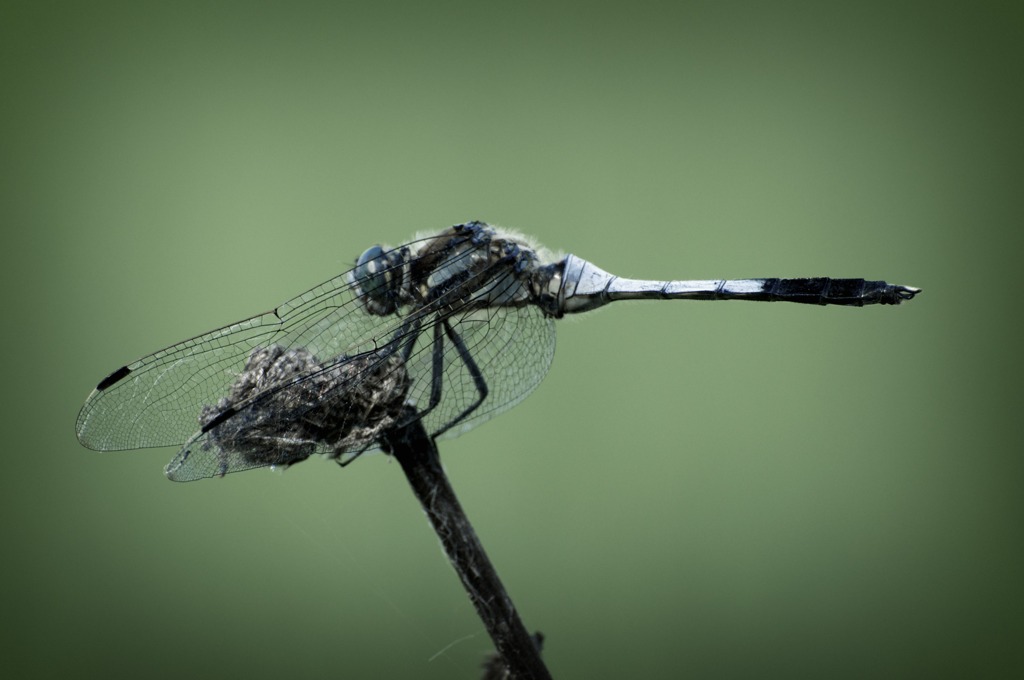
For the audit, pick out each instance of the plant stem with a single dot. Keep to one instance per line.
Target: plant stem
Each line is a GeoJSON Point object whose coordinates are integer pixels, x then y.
{"type": "Point", "coordinates": [416, 452]}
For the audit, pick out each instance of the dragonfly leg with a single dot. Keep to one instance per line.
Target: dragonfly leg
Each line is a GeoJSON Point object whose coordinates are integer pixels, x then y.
{"type": "Point", "coordinates": [437, 360]}
{"type": "Point", "coordinates": [475, 374]}
{"type": "Point", "coordinates": [436, 371]}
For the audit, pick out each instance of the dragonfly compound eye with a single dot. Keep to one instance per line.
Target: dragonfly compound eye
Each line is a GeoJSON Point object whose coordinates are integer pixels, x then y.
{"type": "Point", "coordinates": [376, 279]}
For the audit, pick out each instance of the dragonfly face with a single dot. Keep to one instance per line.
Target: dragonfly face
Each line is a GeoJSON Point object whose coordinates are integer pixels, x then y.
{"type": "Point", "coordinates": [378, 281]}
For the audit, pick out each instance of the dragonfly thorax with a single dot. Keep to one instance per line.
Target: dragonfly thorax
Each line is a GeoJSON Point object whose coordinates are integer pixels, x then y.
{"type": "Point", "coordinates": [467, 267]}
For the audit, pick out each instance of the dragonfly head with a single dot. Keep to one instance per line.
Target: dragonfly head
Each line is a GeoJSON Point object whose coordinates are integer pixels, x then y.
{"type": "Point", "coordinates": [377, 279]}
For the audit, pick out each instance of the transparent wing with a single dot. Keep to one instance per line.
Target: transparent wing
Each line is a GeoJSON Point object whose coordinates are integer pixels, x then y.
{"type": "Point", "coordinates": [511, 350]}
{"type": "Point", "coordinates": [512, 347]}
{"type": "Point", "coordinates": [456, 359]}
{"type": "Point", "coordinates": [156, 400]}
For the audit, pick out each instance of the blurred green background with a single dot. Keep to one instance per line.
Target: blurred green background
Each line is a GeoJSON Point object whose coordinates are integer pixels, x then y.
{"type": "Point", "coordinates": [696, 490]}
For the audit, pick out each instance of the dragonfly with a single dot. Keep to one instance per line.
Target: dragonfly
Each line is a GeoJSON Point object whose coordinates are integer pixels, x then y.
{"type": "Point", "coordinates": [449, 329]}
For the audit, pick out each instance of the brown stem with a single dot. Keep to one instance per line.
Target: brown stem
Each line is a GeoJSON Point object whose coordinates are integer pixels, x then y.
{"type": "Point", "coordinates": [416, 452]}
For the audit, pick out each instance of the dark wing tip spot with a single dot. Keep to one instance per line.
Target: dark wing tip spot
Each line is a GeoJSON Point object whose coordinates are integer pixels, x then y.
{"type": "Point", "coordinates": [113, 378]}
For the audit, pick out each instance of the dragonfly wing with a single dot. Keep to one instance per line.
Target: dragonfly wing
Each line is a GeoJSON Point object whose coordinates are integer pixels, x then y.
{"type": "Point", "coordinates": [157, 400]}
